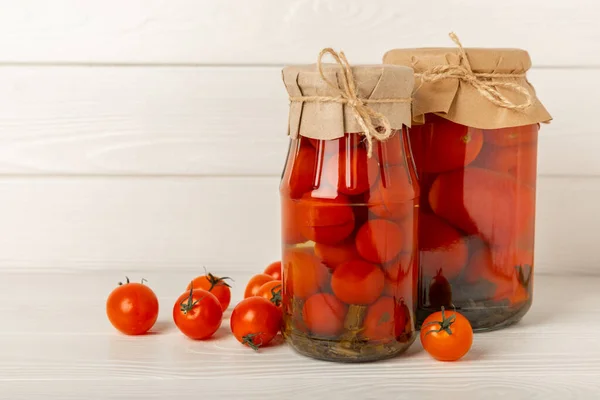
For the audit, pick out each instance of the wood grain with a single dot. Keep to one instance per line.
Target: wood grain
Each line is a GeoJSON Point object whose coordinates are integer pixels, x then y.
{"type": "Point", "coordinates": [132, 223]}
{"type": "Point", "coordinates": [210, 121]}
{"type": "Point", "coordinates": [160, 224]}
{"type": "Point", "coordinates": [557, 33]}
{"type": "Point", "coordinates": [65, 348]}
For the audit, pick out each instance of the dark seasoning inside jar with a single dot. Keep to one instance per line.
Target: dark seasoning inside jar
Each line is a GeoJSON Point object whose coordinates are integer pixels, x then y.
{"type": "Point", "coordinates": [349, 217]}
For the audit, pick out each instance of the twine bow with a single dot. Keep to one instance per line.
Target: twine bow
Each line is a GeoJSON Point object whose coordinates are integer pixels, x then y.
{"type": "Point", "coordinates": [367, 118]}
{"type": "Point", "coordinates": [487, 84]}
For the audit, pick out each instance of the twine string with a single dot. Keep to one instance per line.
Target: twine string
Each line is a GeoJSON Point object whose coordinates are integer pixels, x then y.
{"type": "Point", "coordinates": [367, 118]}
{"type": "Point", "coordinates": [486, 84]}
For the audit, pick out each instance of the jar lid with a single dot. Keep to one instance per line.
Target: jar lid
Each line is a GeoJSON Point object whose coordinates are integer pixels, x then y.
{"type": "Point", "coordinates": [324, 101]}
{"type": "Point", "coordinates": [481, 88]}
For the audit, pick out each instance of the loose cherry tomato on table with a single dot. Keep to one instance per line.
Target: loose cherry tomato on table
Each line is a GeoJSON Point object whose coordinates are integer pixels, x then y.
{"type": "Point", "coordinates": [255, 283]}
{"type": "Point", "coordinates": [255, 321]}
{"type": "Point", "coordinates": [216, 286]}
{"type": "Point", "coordinates": [197, 313]}
{"type": "Point", "coordinates": [271, 291]}
{"type": "Point", "coordinates": [446, 335]}
{"type": "Point", "coordinates": [274, 270]}
{"type": "Point", "coordinates": [132, 308]}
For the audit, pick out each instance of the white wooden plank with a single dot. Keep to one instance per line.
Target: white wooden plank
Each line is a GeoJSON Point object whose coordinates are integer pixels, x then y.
{"type": "Point", "coordinates": [157, 224]}
{"type": "Point", "coordinates": [142, 121]}
{"type": "Point", "coordinates": [138, 224]}
{"type": "Point", "coordinates": [365, 386]}
{"type": "Point", "coordinates": [211, 121]}
{"type": "Point", "coordinates": [272, 31]}
{"type": "Point", "coordinates": [63, 347]}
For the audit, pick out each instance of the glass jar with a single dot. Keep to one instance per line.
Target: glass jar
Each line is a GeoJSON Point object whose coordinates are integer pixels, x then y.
{"type": "Point", "coordinates": [349, 248]}
{"type": "Point", "coordinates": [475, 151]}
{"type": "Point", "coordinates": [477, 219]}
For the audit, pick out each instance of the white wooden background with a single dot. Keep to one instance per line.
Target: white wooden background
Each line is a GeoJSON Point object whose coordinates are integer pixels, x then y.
{"type": "Point", "coordinates": [151, 134]}
{"type": "Point", "coordinates": [148, 136]}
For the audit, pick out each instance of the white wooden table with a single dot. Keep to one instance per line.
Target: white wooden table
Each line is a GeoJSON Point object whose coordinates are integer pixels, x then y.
{"type": "Point", "coordinates": [56, 343]}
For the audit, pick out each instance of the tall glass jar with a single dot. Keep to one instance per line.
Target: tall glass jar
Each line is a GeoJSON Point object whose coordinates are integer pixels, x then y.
{"type": "Point", "coordinates": [475, 152]}
{"type": "Point", "coordinates": [349, 201]}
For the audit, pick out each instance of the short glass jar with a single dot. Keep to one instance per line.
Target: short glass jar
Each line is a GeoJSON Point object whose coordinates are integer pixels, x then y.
{"type": "Point", "coordinates": [349, 200]}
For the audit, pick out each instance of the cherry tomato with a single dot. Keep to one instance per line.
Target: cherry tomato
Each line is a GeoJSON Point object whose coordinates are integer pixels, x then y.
{"type": "Point", "coordinates": [444, 145]}
{"type": "Point", "coordinates": [520, 161]}
{"type": "Point", "coordinates": [357, 282]}
{"type": "Point", "coordinates": [274, 269]}
{"type": "Point", "coordinates": [507, 273]}
{"type": "Point", "coordinates": [304, 274]}
{"type": "Point", "coordinates": [197, 313]}
{"type": "Point", "coordinates": [271, 291]}
{"type": "Point", "coordinates": [392, 197]}
{"type": "Point", "coordinates": [255, 321]}
{"type": "Point", "coordinates": [327, 220]}
{"type": "Point", "coordinates": [132, 308]}
{"type": "Point", "coordinates": [386, 319]}
{"type": "Point", "coordinates": [446, 335]}
{"type": "Point", "coordinates": [336, 254]}
{"type": "Point", "coordinates": [255, 283]}
{"type": "Point", "coordinates": [324, 314]}
{"type": "Point", "coordinates": [216, 286]}
{"type": "Point", "coordinates": [379, 241]}
{"type": "Point", "coordinates": [300, 175]}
